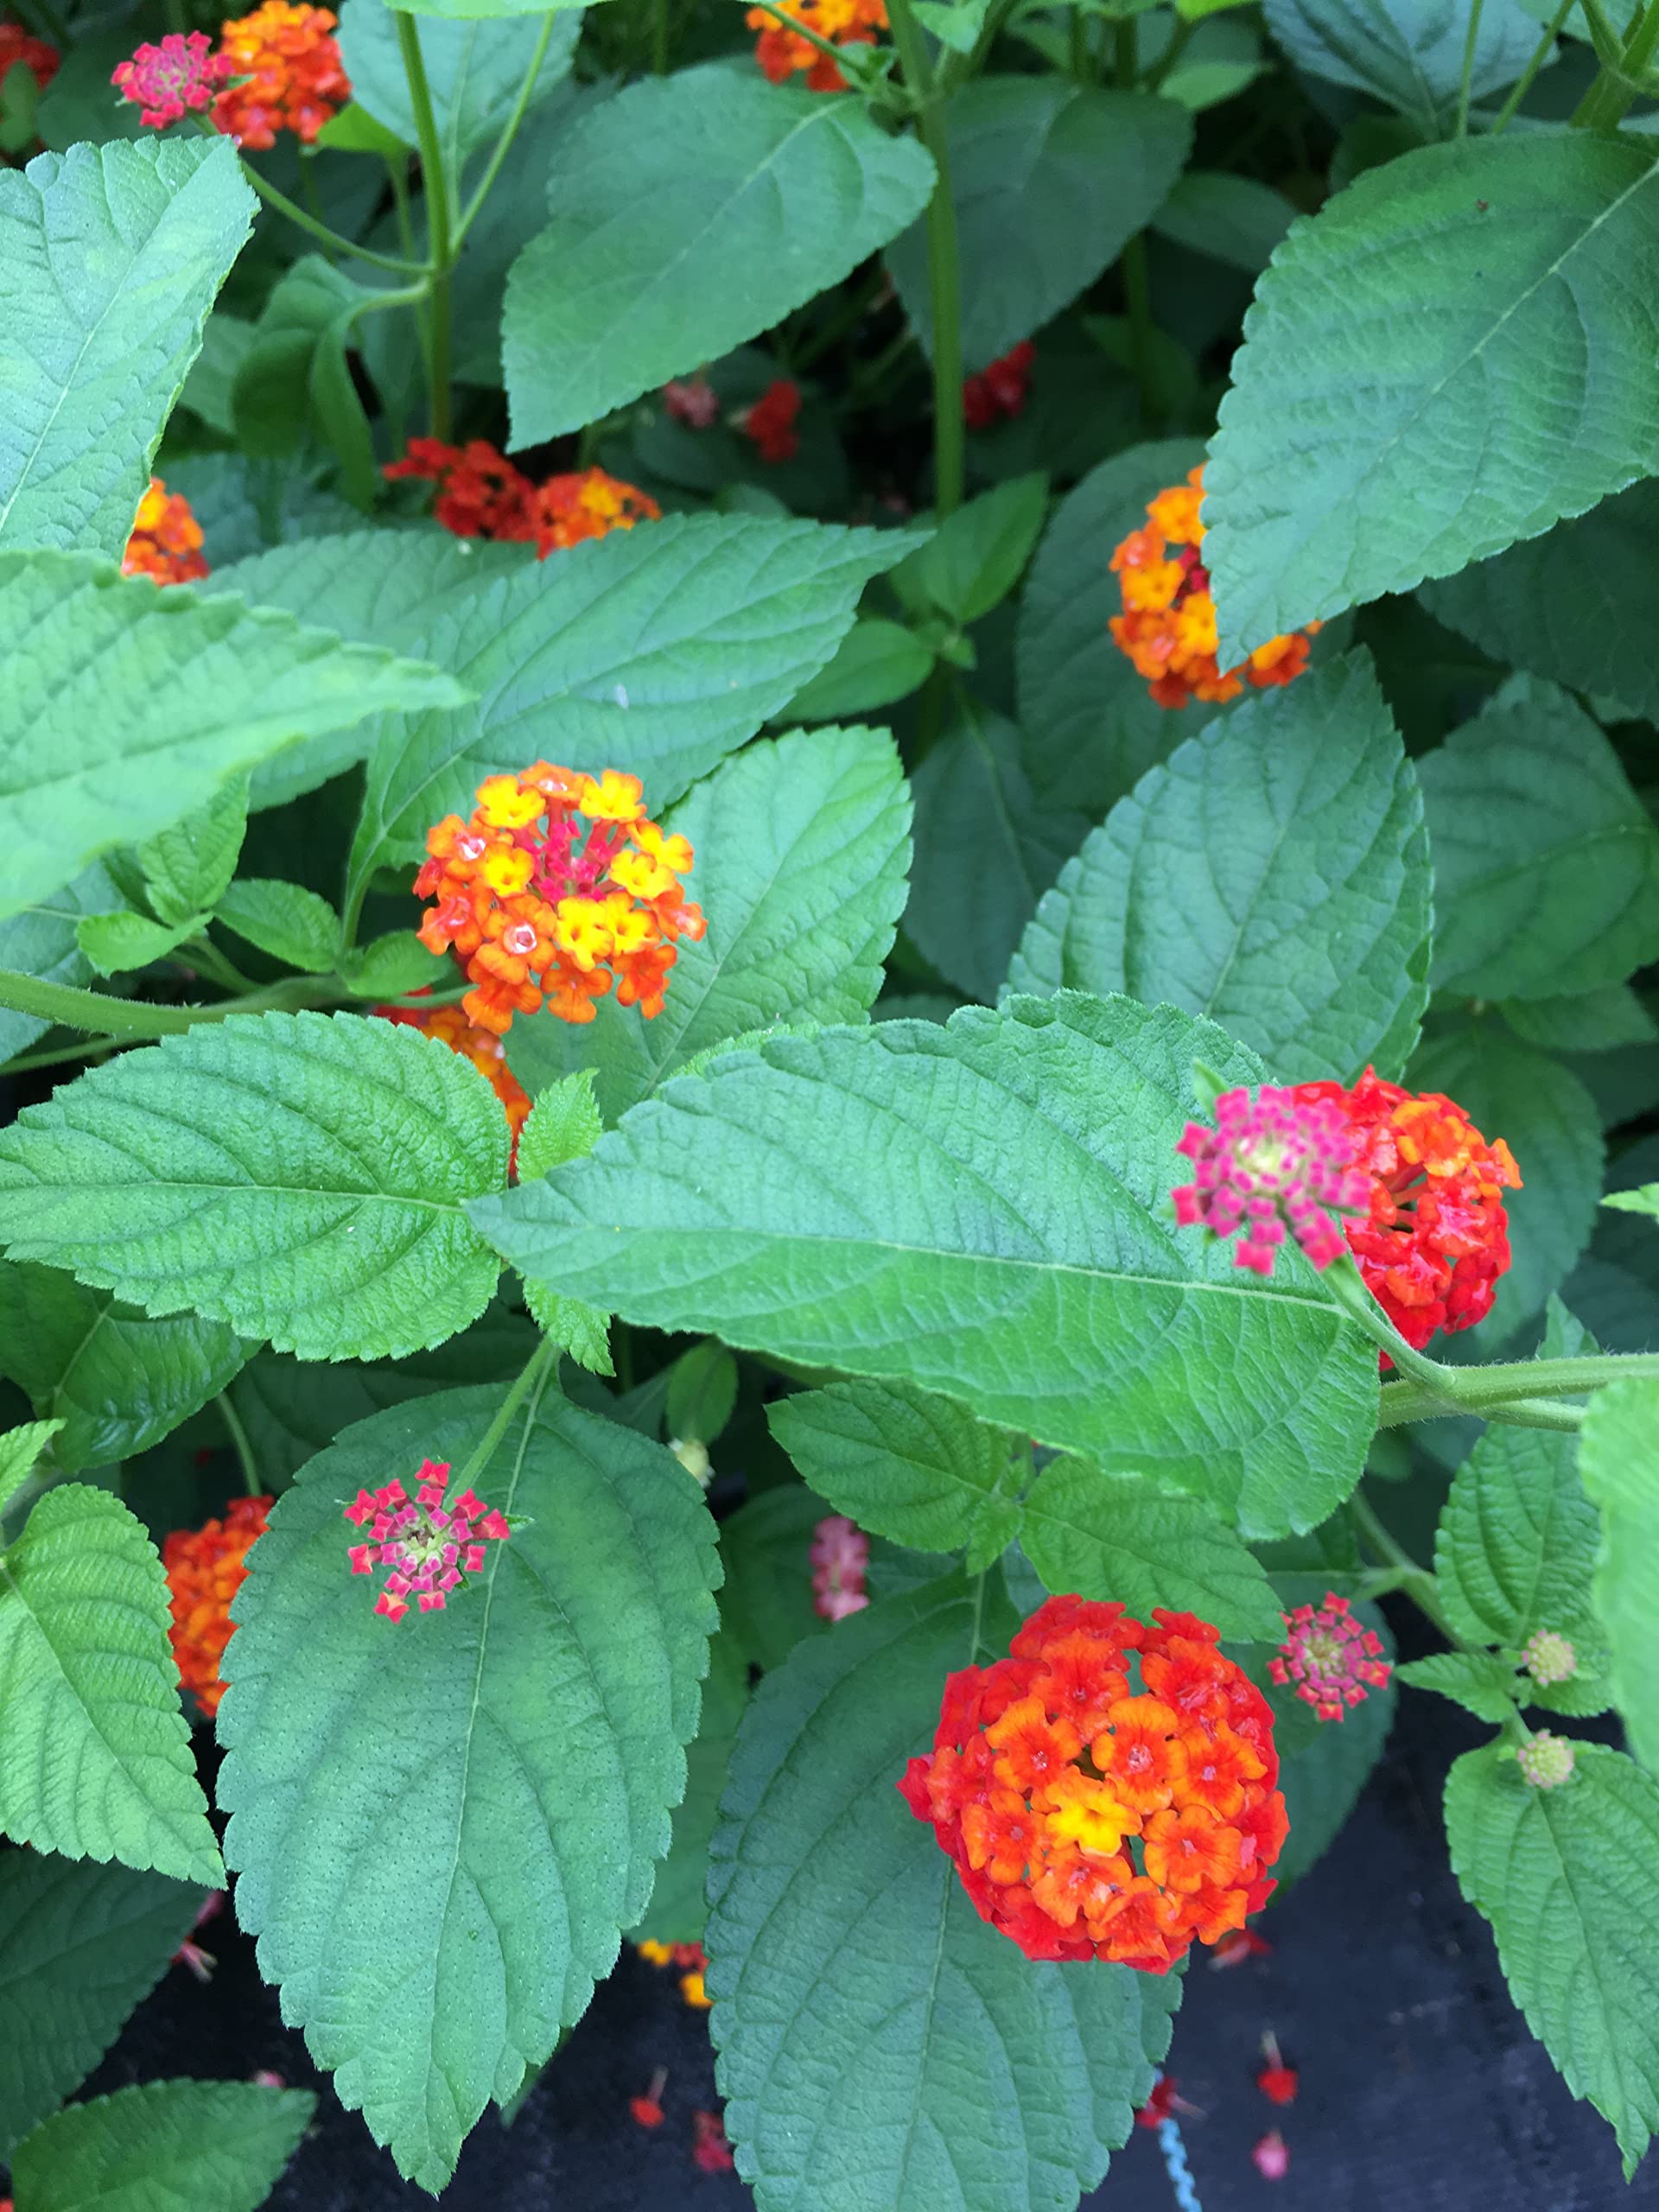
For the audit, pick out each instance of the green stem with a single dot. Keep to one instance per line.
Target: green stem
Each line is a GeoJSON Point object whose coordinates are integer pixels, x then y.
{"type": "Point", "coordinates": [202, 954]}
{"type": "Point", "coordinates": [1472, 1390]}
{"type": "Point", "coordinates": [1540, 53]}
{"type": "Point", "coordinates": [1126, 64]}
{"type": "Point", "coordinates": [1404, 1402]}
{"type": "Point", "coordinates": [240, 1439]}
{"type": "Point", "coordinates": [955, 69]}
{"type": "Point", "coordinates": [1470, 37]}
{"type": "Point", "coordinates": [510, 128]}
{"type": "Point", "coordinates": [173, 10]}
{"type": "Point", "coordinates": [1418, 1584]}
{"type": "Point", "coordinates": [1137, 294]}
{"type": "Point", "coordinates": [1604, 105]}
{"type": "Point", "coordinates": [944, 262]}
{"type": "Point", "coordinates": [437, 189]}
{"type": "Point", "coordinates": [659, 37]}
{"type": "Point", "coordinates": [1082, 61]}
{"type": "Point", "coordinates": [535, 1376]}
{"type": "Point", "coordinates": [132, 1018]}
{"type": "Point", "coordinates": [93, 1048]}
{"type": "Point", "coordinates": [845, 58]}
{"type": "Point", "coordinates": [1170, 54]}
{"type": "Point", "coordinates": [332, 239]}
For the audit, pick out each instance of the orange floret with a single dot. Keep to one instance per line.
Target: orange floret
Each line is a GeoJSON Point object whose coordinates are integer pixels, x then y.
{"type": "Point", "coordinates": [204, 1570]}
{"type": "Point", "coordinates": [481, 495]}
{"type": "Point", "coordinates": [781, 52]}
{"type": "Point", "coordinates": [291, 75]}
{"type": "Point", "coordinates": [165, 541]}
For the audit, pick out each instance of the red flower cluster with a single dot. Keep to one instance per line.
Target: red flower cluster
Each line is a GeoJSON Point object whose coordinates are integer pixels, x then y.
{"type": "Point", "coordinates": [429, 1549]}
{"type": "Point", "coordinates": [1088, 1819]}
{"type": "Point", "coordinates": [1330, 1657]}
{"type": "Point", "coordinates": [34, 53]}
{"type": "Point", "coordinates": [293, 77]}
{"type": "Point", "coordinates": [771, 421]}
{"type": "Point", "coordinates": [1436, 1238]}
{"type": "Point", "coordinates": [781, 52]}
{"type": "Point", "coordinates": [166, 540]}
{"type": "Point", "coordinates": [1167, 627]}
{"type": "Point", "coordinates": [481, 495]}
{"type": "Point", "coordinates": [997, 393]}
{"type": "Point", "coordinates": [481, 1047]}
{"type": "Point", "coordinates": [204, 1569]}
{"type": "Point", "coordinates": [556, 887]}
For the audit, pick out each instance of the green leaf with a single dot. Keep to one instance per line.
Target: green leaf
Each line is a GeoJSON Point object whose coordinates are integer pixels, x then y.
{"type": "Point", "coordinates": [1552, 1127]}
{"type": "Point", "coordinates": [19, 1449]}
{"type": "Point", "coordinates": [801, 847]}
{"type": "Point", "coordinates": [563, 1124]}
{"type": "Point", "coordinates": [270, 398]}
{"type": "Point", "coordinates": [1546, 861]}
{"type": "Point", "coordinates": [1232, 218]}
{"type": "Point", "coordinates": [1119, 1536]}
{"type": "Point", "coordinates": [1483, 1684]}
{"type": "Point", "coordinates": [87, 1671]}
{"type": "Point", "coordinates": [689, 213]}
{"type": "Point", "coordinates": [977, 555]}
{"type": "Point", "coordinates": [81, 1945]}
{"type": "Point", "coordinates": [999, 1219]}
{"type": "Point", "coordinates": [955, 23]}
{"type": "Point", "coordinates": [1572, 604]}
{"type": "Point", "coordinates": [904, 1464]}
{"type": "Point", "coordinates": [1642, 1200]}
{"type": "Point", "coordinates": [469, 10]}
{"type": "Point", "coordinates": [299, 1176]}
{"type": "Point", "coordinates": [701, 1392]}
{"type": "Point", "coordinates": [1517, 1540]}
{"type": "Point", "coordinates": [1387, 421]}
{"type": "Point", "coordinates": [114, 945]}
{"type": "Point", "coordinates": [109, 258]}
{"type": "Point", "coordinates": [1566, 1877]}
{"type": "Point", "coordinates": [842, 2087]}
{"type": "Point", "coordinates": [188, 868]}
{"type": "Point", "coordinates": [354, 130]}
{"type": "Point", "coordinates": [677, 1912]}
{"type": "Point", "coordinates": [162, 2145]}
{"type": "Point", "coordinates": [206, 687]}
{"type": "Point", "coordinates": [767, 1601]}
{"type": "Point", "coordinates": [876, 664]}
{"type": "Point", "coordinates": [40, 940]}
{"type": "Point", "coordinates": [1618, 1463]}
{"type": "Point", "coordinates": [1050, 180]}
{"type": "Point", "coordinates": [393, 966]}
{"type": "Point", "coordinates": [117, 1380]}
{"type": "Point", "coordinates": [1598, 1020]}
{"type": "Point", "coordinates": [474, 71]}
{"type": "Point", "coordinates": [1408, 53]}
{"type": "Point", "coordinates": [293, 926]}
{"type": "Point", "coordinates": [1273, 874]}
{"type": "Point", "coordinates": [479, 1794]}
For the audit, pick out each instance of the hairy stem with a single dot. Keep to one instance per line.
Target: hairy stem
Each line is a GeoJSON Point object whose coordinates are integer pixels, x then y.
{"type": "Point", "coordinates": [944, 262]}
{"type": "Point", "coordinates": [437, 189]}
{"type": "Point", "coordinates": [1418, 1584]}
{"type": "Point", "coordinates": [535, 1376]}
{"type": "Point", "coordinates": [1605, 104]}
{"type": "Point", "coordinates": [332, 239]}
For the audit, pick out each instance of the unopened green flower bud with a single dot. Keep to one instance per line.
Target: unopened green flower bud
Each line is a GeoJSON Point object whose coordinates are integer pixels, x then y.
{"type": "Point", "coordinates": [1547, 1761]}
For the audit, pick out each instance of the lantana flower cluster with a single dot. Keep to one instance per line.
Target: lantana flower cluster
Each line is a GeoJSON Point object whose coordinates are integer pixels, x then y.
{"type": "Point", "coordinates": [558, 888]}
{"type": "Point", "coordinates": [18, 48]}
{"type": "Point", "coordinates": [165, 541]}
{"type": "Point", "coordinates": [1332, 1658]}
{"type": "Point", "coordinates": [1167, 627]}
{"type": "Point", "coordinates": [1271, 1163]}
{"type": "Point", "coordinates": [428, 1549]}
{"type": "Point", "coordinates": [449, 1025]}
{"type": "Point", "coordinates": [205, 1567]}
{"type": "Point", "coordinates": [781, 51]}
{"type": "Point", "coordinates": [841, 1559]}
{"type": "Point", "coordinates": [1089, 1817]}
{"type": "Point", "coordinates": [481, 495]}
{"type": "Point", "coordinates": [277, 69]}
{"type": "Point", "coordinates": [997, 393]}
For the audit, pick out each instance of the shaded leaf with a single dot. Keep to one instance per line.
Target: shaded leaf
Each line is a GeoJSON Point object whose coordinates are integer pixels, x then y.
{"type": "Point", "coordinates": [161, 2144]}
{"type": "Point", "coordinates": [1618, 1463]}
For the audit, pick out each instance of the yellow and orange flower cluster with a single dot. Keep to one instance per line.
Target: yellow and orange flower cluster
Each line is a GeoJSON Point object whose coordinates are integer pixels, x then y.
{"type": "Point", "coordinates": [1089, 1818]}
{"type": "Point", "coordinates": [205, 1567]}
{"type": "Point", "coordinates": [556, 889]}
{"type": "Point", "coordinates": [292, 77]}
{"type": "Point", "coordinates": [481, 495]}
{"type": "Point", "coordinates": [781, 52]}
{"type": "Point", "coordinates": [481, 1047]}
{"type": "Point", "coordinates": [1167, 627]}
{"type": "Point", "coordinates": [166, 540]}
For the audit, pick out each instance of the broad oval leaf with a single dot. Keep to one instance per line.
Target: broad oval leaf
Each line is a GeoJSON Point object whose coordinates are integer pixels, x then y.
{"type": "Point", "coordinates": [1004, 1241]}
{"type": "Point", "coordinates": [474, 70]}
{"type": "Point", "coordinates": [109, 259]}
{"type": "Point", "coordinates": [300, 1176]}
{"type": "Point", "coordinates": [1408, 54]}
{"type": "Point", "coordinates": [95, 1756]}
{"type": "Point", "coordinates": [960, 2075]}
{"type": "Point", "coordinates": [161, 2144]}
{"type": "Point", "coordinates": [1273, 873]}
{"type": "Point", "coordinates": [1050, 180]}
{"type": "Point", "coordinates": [689, 213]}
{"type": "Point", "coordinates": [1388, 420]}
{"type": "Point", "coordinates": [441, 1828]}
{"type": "Point", "coordinates": [1618, 1463]}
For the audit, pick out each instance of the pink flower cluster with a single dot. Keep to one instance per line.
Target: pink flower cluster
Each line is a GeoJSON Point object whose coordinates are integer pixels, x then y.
{"type": "Point", "coordinates": [1330, 1657]}
{"type": "Point", "coordinates": [180, 73]}
{"type": "Point", "coordinates": [840, 1553]}
{"type": "Point", "coordinates": [1273, 1162]}
{"type": "Point", "coordinates": [693, 401]}
{"type": "Point", "coordinates": [429, 1549]}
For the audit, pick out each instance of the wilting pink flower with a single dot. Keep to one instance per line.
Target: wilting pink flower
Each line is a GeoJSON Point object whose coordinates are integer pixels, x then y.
{"type": "Point", "coordinates": [692, 400]}
{"type": "Point", "coordinates": [840, 1553]}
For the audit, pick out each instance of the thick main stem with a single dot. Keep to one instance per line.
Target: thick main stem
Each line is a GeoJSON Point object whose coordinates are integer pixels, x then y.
{"type": "Point", "coordinates": [1605, 104]}
{"type": "Point", "coordinates": [133, 1020]}
{"type": "Point", "coordinates": [1417, 1582]}
{"type": "Point", "coordinates": [437, 189]}
{"type": "Point", "coordinates": [532, 1376]}
{"type": "Point", "coordinates": [944, 262]}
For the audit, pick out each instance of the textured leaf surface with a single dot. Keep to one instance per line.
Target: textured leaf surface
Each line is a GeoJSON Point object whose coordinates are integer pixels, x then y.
{"type": "Point", "coordinates": [162, 2145]}
{"type": "Point", "coordinates": [687, 215]}
{"type": "Point", "coordinates": [1424, 381]}
{"type": "Point", "coordinates": [1273, 873]}
{"type": "Point", "coordinates": [207, 687]}
{"type": "Point", "coordinates": [1478, 1681]}
{"type": "Point", "coordinates": [81, 1945]}
{"type": "Point", "coordinates": [116, 1380]}
{"type": "Point", "coordinates": [298, 1176]}
{"type": "Point", "coordinates": [41, 941]}
{"type": "Point", "coordinates": [962, 2074]}
{"type": "Point", "coordinates": [295, 926]}
{"type": "Point", "coordinates": [20, 1448]}
{"type": "Point", "coordinates": [998, 1243]}
{"type": "Point", "coordinates": [1567, 1878]}
{"type": "Point", "coordinates": [1546, 861]}
{"type": "Point", "coordinates": [1051, 179]}
{"type": "Point", "coordinates": [801, 849]}
{"type": "Point", "coordinates": [902, 1463]}
{"type": "Point", "coordinates": [109, 259]}
{"type": "Point", "coordinates": [1119, 1536]}
{"type": "Point", "coordinates": [679, 1909]}
{"type": "Point", "coordinates": [1409, 53]}
{"type": "Point", "coordinates": [440, 1840]}
{"type": "Point", "coordinates": [658, 649]}
{"type": "Point", "coordinates": [1618, 1463]}
{"type": "Point", "coordinates": [473, 69]}
{"type": "Point", "coordinates": [95, 1758]}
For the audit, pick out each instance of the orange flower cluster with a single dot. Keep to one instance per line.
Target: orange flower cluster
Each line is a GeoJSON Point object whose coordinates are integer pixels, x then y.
{"type": "Point", "coordinates": [166, 540]}
{"type": "Point", "coordinates": [557, 887]}
{"type": "Point", "coordinates": [781, 52]}
{"type": "Point", "coordinates": [481, 1047]}
{"type": "Point", "coordinates": [481, 495]}
{"type": "Point", "coordinates": [204, 1570]}
{"type": "Point", "coordinates": [1436, 1237]}
{"type": "Point", "coordinates": [1090, 1819]}
{"type": "Point", "coordinates": [293, 77]}
{"type": "Point", "coordinates": [1167, 627]}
